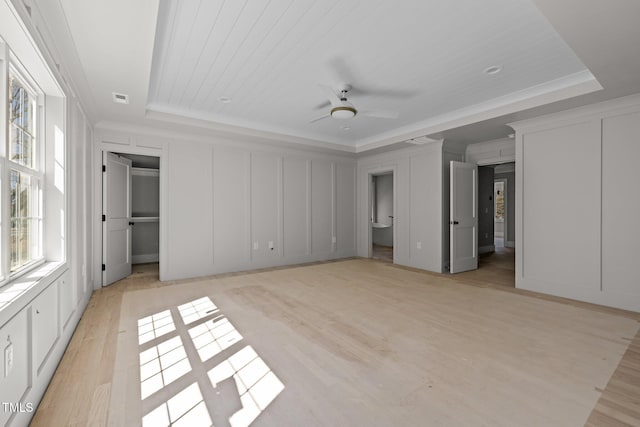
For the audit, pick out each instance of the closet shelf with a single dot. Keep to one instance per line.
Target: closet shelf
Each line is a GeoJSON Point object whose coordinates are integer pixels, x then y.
{"type": "Point", "coordinates": [145, 218]}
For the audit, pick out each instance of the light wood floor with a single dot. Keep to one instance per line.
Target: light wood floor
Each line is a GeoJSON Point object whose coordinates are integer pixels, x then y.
{"type": "Point", "coordinates": [362, 342]}
{"type": "Point", "coordinates": [382, 253]}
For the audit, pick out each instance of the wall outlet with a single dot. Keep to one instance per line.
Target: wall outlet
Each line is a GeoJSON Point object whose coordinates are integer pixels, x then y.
{"type": "Point", "coordinates": [333, 239]}
{"type": "Point", "coordinates": [255, 246]}
{"type": "Point", "coordinates": [271, 246]}
{"type": "Point", "coordinates": [8, 359]}
{"type": "Point", "coordinates": [419, 245]}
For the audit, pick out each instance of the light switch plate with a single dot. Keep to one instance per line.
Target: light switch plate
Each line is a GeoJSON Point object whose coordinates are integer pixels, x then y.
{"type": "Point", "coordinates": [255, 246]}
{"type": "Point", "coordinates": [419, 245]}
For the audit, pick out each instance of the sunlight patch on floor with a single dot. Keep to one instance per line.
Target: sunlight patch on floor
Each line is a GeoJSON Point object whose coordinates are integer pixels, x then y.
{"type": "Point", "coordinates": [164, 361]}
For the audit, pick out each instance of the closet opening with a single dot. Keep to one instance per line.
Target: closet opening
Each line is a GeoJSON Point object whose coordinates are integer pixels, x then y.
{"type": "Point", "coordinates": [131, 214]}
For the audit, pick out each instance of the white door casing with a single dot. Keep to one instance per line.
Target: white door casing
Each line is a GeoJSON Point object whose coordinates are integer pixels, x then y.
{"type": "Point", "coordinates": [116, 210]}
{"type": "Point", "coordinates": [463, 221]}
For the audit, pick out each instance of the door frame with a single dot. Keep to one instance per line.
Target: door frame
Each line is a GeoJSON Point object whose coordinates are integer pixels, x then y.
{"type": "Point", "coordinates": [370, 174]}
{"type": "Point", "coordinates": [127, 148]}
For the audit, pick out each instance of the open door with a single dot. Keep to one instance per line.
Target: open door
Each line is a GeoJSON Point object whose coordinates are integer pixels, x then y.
{"type": "Point", "coordinates": [116, 219]}
{"type": "Point", "coordinates": [464, 217]}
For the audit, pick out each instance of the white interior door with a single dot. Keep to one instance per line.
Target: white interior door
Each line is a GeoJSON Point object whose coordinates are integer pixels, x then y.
{"type": "Point", "coordinates": [463, 223]}
{"type": "Point", "coordinates": [116, 210]}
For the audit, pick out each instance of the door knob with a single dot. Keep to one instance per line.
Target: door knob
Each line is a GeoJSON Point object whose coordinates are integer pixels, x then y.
{"type": "Point", "coordinates": [455, 222]}
{"type": "Point", "coordinates": [132, 223]}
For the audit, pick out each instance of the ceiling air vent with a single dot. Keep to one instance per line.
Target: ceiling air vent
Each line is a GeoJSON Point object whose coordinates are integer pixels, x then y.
{"type": "Point", "coordinates": [120, 98]}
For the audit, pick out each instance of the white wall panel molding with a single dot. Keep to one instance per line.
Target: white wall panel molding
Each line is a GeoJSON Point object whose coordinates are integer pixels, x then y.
{"type": "Point", "coordinates": [600, 110]}
{"type": "Point", "coordinates": [491, 152]}
{"type": "Point", "coordinates": [308, 206]}
{"type": "Point", "coordinates": [417, 206]}
{"type": "Point", "coordinates": [579, 166]}
{"type": "Point", "coordinates": [198, 134]}
{"type": "Point", "coordinates": [244, 195]}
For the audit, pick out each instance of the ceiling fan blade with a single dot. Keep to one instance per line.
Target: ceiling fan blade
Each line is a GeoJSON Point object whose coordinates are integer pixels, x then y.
{"type": "Point", "coordinates": [383, 92]}
{"type": "Point", "coordinates": [320, 118]}
{"type": "Point", "coordinates": [380, 114]}
{"type": "Point", "coordinates": [342, 72]}
{"type": "Point", "coordinates": [322, 106]}
{"type": "Point", "coordinates": [331, 95]}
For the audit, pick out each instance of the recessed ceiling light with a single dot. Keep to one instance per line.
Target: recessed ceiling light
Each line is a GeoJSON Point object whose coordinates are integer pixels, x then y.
{"type": "Point", "coordinates": [120, 98]}
{"type": "Point", "coordinates": [346, 128]}
{"type": "Point", "coordinates": [494, 69]}
{"type": "Point", "coordinates": [224, 99]}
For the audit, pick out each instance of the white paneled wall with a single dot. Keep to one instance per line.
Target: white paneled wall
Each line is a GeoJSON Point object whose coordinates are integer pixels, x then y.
{"type": "Point", "coordinates": [40, 322]}
{"type": "Point", "coordinates": [418, 204]}
{"type": "Point", "coordinates": [233, 205]}
{"type": "Point", "coordinates": [576, 202]}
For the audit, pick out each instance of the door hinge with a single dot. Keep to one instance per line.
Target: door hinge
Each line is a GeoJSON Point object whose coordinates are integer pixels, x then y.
{"type": "Point", "coordinates": [104, 168]}
{"type": "Point", "coordinates": [104, 218]}
{"type": "Point", "coordinates": [104, 267]}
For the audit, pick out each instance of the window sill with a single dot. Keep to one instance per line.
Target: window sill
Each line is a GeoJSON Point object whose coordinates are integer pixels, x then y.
{"type": "Point", "coordinates": [17, 293]}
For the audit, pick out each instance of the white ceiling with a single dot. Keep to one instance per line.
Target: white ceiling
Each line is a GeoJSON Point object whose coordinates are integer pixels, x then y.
{"type": "Point", "coordinates": [423, 59]}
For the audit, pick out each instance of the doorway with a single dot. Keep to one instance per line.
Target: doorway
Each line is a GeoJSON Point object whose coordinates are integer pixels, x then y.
{"type": "Point", "coordinates": [473, 224]}
{"type": "Point", "coordinates": [131, 213]}
{"type": "Point", "coordinates": [382, 216]}
{"type": "Point", "coordinates": [496, 230]}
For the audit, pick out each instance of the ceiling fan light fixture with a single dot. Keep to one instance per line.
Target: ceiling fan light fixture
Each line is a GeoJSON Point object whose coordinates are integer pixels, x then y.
{"type": "Point", "coordinates": [343, 112]}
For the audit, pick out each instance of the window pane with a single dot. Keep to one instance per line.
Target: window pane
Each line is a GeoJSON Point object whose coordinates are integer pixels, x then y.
{"type": "Point", "coordinates": [15, 102]}
{"type": "Point", "coordinates": [16, 143]}
{"type": "Point", "coordinates": [27, 150]}
{"type": "Point", "coordinates": [22, 115]}
{"type": "Point", "coordinates": [499, 198]}
{"type": "Point", "coordinates": [25, 220]}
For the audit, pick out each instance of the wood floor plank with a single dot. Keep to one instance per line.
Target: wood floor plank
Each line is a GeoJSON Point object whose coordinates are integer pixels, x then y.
{"type": "Point", "coordinates": [365, 343]}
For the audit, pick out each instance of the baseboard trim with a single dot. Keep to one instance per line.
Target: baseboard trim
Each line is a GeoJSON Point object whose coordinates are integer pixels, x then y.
{"type": "Point", "coordinates": [486, 249]}
{"type": "Point", "coordinates": [145, 258]}
{"type": "Point", "coordinates": [510, 244]}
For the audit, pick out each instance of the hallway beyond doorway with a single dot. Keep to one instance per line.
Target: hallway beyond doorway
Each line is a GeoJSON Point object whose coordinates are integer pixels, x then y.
{"type": "Point", "coordinates": [497, 267]}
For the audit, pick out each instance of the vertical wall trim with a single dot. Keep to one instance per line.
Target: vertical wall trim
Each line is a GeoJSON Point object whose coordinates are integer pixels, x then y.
{"type": "Point", "coordinates": [354, 235]}
{"type": "Point", "coordinates": [522, 224]}
{"type": "Point", "coordinates": [409, 211]}
{"type": "Point", "coordinates": [213, 206]}
{"type": "Point", "coordinates": [309, 218]}
{"type": "Point", "coordinates": [281, 206]}
{"type": "Point", "coordinates": [601, 196]}
{"type": "Point", "coordinates": [247, 205]}
{"type": "Point", "coordinates": [334, 207]}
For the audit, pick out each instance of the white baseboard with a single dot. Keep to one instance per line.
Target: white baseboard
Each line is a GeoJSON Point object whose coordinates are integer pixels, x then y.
{"type": "Point", "coordinates": [145, 258]}
{"type": "Point", "coordinates": [486, 249]}
{"type": "Point", "coordinates": [510, 244]}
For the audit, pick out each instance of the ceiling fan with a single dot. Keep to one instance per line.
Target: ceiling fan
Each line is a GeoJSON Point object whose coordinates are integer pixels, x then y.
{"type": "Point", "coordinates": [342, 109]}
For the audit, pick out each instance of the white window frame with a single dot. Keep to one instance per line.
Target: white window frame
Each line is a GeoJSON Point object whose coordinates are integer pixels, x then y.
{"type": "Point", "coordinates": [7, 165]}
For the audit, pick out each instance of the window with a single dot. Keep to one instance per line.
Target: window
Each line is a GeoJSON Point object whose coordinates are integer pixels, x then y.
{"type": "Point", "coordinates": [498, 188]}
{"type": "Point", "coordinates": [24, 175]}
{"type": "Point", "coordinates": [33, 158]}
